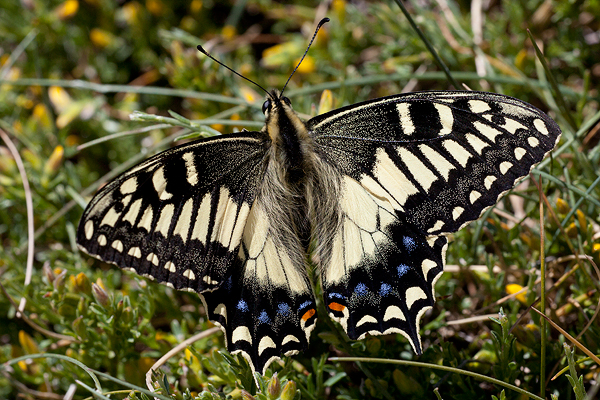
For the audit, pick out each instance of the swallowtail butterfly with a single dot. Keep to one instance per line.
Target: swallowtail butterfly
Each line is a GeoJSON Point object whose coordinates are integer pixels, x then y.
{"type": "Point", "coordinates": [373, 188]}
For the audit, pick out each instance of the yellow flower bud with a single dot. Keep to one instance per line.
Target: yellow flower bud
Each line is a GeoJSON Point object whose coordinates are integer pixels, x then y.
{"type": "Point", "coordinates": [100, 295]}
{"type": "Point", "coordinates": [308, 65]}
{"type": "Point", "coordinates": [274, 387]}
{"type": "Point", "coordinates": [54, 161]}
{"type": "Point", "coordinates": [289, 391]}
{"type": "Point", "coordinates": [27, 343]}
{"type": "Point", "coordinates": [228, 32]}
{"type": "Point", "coordinates": [561, 206]}
{"type": "Point", "coordinates": [156, 7]}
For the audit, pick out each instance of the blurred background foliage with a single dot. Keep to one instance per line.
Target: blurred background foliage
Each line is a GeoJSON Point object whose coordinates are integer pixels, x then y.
{"type": "Point", "coordinates": [71, 74]}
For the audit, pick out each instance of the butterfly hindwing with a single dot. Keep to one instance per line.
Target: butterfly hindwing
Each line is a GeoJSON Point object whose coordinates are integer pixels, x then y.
{"type": "Point", "coordinates": [179, 216]}
{"type": "Point", "coordinates": [381, 273]}
{"type": "Point", "coordinates": [414, 168]}
{"type": "Point", "coordinates": [266, 306]}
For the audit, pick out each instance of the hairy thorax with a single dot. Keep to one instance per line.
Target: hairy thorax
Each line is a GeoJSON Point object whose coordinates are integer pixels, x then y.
{"type": "Point", "coordinates": [303, 185]}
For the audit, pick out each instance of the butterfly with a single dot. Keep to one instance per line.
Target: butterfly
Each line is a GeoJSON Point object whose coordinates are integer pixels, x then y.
{"type": "Point", "coordinates": [369, 191]}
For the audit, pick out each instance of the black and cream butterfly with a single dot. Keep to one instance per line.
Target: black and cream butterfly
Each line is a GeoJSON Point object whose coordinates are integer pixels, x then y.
{"type": "Point", "coordinates": [373, 189]}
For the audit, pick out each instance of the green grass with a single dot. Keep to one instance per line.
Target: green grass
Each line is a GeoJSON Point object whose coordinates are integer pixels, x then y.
{"type": "Point", "coordinates": [69, 81]}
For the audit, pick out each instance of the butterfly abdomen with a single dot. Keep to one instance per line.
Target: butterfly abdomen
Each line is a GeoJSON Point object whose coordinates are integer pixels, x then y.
{"type": "Point", "coordinates": [293, 167]}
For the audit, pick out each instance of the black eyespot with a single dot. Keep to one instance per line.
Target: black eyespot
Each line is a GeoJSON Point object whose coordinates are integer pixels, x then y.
{"type": "Point", "coordinates": [286, 101]}
{"type": "Point", "coordinates": [266, 106]}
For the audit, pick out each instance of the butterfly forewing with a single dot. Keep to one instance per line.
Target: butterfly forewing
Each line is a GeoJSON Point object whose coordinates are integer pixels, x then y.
{"type": "Point", "coordinates": [179, 216]}
{"type": "Point", "coordinates": [415, 167]}
{"type": "Point", "coordinates": [440, 157]}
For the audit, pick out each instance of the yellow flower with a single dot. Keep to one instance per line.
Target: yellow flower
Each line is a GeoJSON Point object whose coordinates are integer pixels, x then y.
{"type": "Point", "coordinates": [280, 54]}
{"type": "Point", "coordinates": [326, 102]}
{"type": "Point", "coordinates": [228, 32]}
{"type": "Point", "coordinates": [245, 69]}
{"type": "Point", "coordinates": [24, 102]}
{"type": "Point", "coordinates": [218, 127]}
{"type": "Point", "coordinates": [196, 6]}
{"type": "Point", "coordinates": [160, 335]}
{"type": "Point", "coordinates": [18, 126]}
{"type": "Point", "coordinates": [249, 95]}
{"type": "Point", "coordinates": [513, 288]}
{"type": "Point", "coordinates": [130, 12]}
{"type": "Point", "coordinates": [338, 6]}
{"type": "Point", "coordinates": [521, 58]}
{"type": "Point", "coordinates": [82, 283]}
{"type": "Point", "coordinates": [561, 206]}
{"type": "Point", "coordinates": [72, 140]}
{"type": "Point", "coordinates": [55, 161]}
{"type": "Point", "coordinates": [27, 343]}
{"type": "Point", "coordinates": [59, 98]}
{"type": "Point", "coordinates": [145, 363]}
{"type": "Point", "coordinates": [100, 37]}
{"type": "Point", "coordinates": [67, 9]}
{"type": "Point", "coordinates": [582, 221]}
{"type": "Point", "coordinates": [100, 283]}
{"type": "Point", "coordinates": [41, 114]}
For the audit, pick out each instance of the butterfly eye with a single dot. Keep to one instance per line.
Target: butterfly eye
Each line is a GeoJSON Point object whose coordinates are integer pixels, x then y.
{"type": "Point", "coordinates": [266, 105]}
{"type": "Point", "coordinates": [286, 101]}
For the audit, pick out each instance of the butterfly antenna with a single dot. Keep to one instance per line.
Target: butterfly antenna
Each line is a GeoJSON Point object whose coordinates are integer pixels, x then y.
{"type": "Point", "coordinates": [201, 50]}
{"type": "Point", "coordinates": [321, 23]}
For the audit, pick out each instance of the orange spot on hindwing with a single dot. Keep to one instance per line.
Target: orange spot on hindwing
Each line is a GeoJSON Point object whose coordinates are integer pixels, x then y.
{"type": "Point", "coordinates": [337, 306]}
{"type": "Point", "coordinates": [308, 314]}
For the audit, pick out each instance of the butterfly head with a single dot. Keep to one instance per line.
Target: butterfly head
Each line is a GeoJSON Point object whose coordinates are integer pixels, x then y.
{"type": "Point", "coordinates": [281, 119]}
{"type": "Point", "coordinates": [275, 100]}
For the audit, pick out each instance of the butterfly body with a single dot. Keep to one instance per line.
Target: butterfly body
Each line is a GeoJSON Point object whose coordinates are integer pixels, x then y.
{"type": "Point", "coordinates": [373, 189]}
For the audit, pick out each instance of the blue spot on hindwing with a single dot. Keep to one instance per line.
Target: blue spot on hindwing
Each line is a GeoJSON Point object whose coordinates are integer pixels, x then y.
{"type": "Point", "coordinates": [283, 308]}
{"type": "Point", "coordinates": [306, 304]}
{"type": "Point", "coordinates": [361, 289]}
{"type": "Point", "coordinates": [385, 289]}
{"type": "Point", "coordinates": [409, 243]}
{"type": "Point", "coordinates": [242, 306]}
{"type": "Point", "coordinates": [402, 269]}
{"type": "Point", "coordinates": [263, 318]}
{"type": "Point", "coordinates": [334, 294]}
